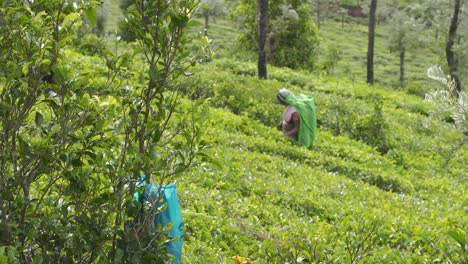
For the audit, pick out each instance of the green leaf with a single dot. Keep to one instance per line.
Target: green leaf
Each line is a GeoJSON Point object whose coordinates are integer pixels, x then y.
{"type": "Point", "coordinates": [39, 119]}
{"type": "Point", "coordinates": [134, 208]}
{"type": "Point", "coordinates": [5, 106]}
{"type": "Point", "coordinates": [37, 260]}
{"type": "Point", "coordinates": [77, 162]}
{"type": "Point", "coordinates": [45, 64]}
{"type": "Point", "coordinates": [52, 103]}
{"type": "Point", "coordinates": [39, 17]}
{"type": "Point", "coordinates": [118, 255]}
{"type": "Point", "coordinates": [91, 15]}
{"type": "Point", "coordinates": [179, 20]}
{"type": "Point", "coordinates": [25, 68]}
{"type": "Point", "coordinates": [194, 23]}
{"type": "Point", "coordinates": [11, 254]}
{"type": "Point", "coordinates": [459, 236]}
{"type": "Point", "coordinates": [70, 19]}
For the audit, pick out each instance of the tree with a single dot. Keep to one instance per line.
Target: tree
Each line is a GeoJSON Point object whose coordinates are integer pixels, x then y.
{"type": "Point", "coordinates": [451, 102]}
{"type": "Point", "coordinates": [124, 31]}
{"type": "Point", "coordinates": [46, 128]}
{"type": "Point", "coordinates": [318, 12]}
{"type": "Point", "coordinates": [291, 37]}
{"type": "Point", "coordinates": [212, 8]}
{"type": "Point", "coordinates": [370, 46]}
{"type": "Point", "coordinates": [76, 138]}
{"type": "Point", "coordinates": [404, 34]}
{"type": "Point", "coordinates": [324, 8]}
{"type": "Point", "coordinates": [433, 14]}
{"type": "Point", "coordinates": [262, 7]}
{"type": "Point", "coordinates": [159, 140]}
{"type": "Point", "coordinates": [452, 60]}
{"type": "Point", "coordinates": [437, 16]}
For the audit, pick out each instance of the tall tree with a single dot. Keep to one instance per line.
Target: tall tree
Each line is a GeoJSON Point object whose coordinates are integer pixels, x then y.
{"type": "Point", "coordinates": [404, 35]}
{"type": "Point", "coordinates": [316, 6]}
{"type": "Point", "coordinates": [262, 9]}
{"type": "Point", "coordinates": [291, 36]}
{"type": "Point", "coordinates": [452, 60]}
{"type": "Point", "coordinates": [71, 148]}
{"type": "Point", "coordinates": [44, 110]}
{"type": "Point", "coordinates": [324, 9]}
{"type": "Point", "coordinates": [370, 47]}
{"type": "Point", "coordinates": [211, 8]}
{"type": "Point", "coordinates": [159, 142]}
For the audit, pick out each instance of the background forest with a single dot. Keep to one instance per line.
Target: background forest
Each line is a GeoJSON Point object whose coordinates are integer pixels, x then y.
{"type": "Point", "coordinates": [98, 96]}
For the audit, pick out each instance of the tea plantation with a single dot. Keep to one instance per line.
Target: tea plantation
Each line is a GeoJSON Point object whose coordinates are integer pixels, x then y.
{"type": "Point", "coordinates": [385, 182]}
{"type": "Point", "coordinates": [376, 188]}
{"type": "Point", "coordinates": [380, 185]}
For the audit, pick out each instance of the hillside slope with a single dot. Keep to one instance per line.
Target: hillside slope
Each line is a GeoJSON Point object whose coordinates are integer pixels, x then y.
{"type": "Point", "coordinates": [376, 188]}
{"type": "Point", "coordinates": [264, 197]}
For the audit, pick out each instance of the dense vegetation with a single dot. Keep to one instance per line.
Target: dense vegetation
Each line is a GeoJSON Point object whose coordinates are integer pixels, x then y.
{"type": "Point", "coordinates": [385, 183]}
{"type": "Point", "coordinates": [268, 199]}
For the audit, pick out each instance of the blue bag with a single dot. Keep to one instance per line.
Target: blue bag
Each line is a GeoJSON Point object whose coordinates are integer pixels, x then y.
{"type": "Point", "coordinates": [172, 214]}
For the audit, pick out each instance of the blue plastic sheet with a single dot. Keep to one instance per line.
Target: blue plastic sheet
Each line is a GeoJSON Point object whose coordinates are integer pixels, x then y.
{"type": "Point", "coordinates": [172, 214]}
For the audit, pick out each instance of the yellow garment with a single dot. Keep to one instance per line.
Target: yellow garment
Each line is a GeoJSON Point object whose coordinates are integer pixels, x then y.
{"type": "Point", "coordinates": [241, 260]}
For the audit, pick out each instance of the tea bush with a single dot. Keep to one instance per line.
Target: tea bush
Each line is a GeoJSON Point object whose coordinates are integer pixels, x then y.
{"type": "Point", "coordinates": [284, 201]}
{"type": "Point", "coordinates": [351, 198]}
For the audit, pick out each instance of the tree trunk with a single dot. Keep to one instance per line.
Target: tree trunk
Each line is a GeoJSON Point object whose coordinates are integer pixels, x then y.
{"type": "Point", "coordinates": [402, 66]}
{"type": "Point", "coordinates": [318, 14]}
{"type": "Point", "coordinates": [207, 17]}
{"type": "Point", "coordinates": [262, 11]}
{"type": "Point", "coordinates": [451, 57]}
{"type": "Point", "coordinates": [370, 47]}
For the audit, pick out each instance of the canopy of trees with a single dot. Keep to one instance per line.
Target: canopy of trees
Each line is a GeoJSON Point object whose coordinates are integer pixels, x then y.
{"type": "Point", "coordinates": [292, 35]}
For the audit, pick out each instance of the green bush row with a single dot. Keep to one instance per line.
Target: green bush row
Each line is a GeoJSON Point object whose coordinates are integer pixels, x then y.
{"type": "Point", "coordinates": [273, 201]}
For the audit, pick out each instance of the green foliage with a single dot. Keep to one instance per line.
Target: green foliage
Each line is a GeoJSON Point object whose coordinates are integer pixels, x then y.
{"type": "Point", "coordinates": [352, 198]}
{"type": "Point", "coordinates": [123, 27]}
{"type": "Point", "coordinates": [154, 128]}
{"type": "Point", "coordinates": [47, 135]}
{"type": "Point", "coordinates": [450, 104]}
{"type": "Point", "coordinates": [331, 60]}
{"type": "Point", "coordinates": [292, 36]}
{"type": "Point", "coordinates": [212, 8]}
{"type": "Point", "coordinates": [90, 44]}
{"type": "Point", "coordinates": [403, 33]}
{"type": "Point", "coordinates": [350, 41]}
{"type": "Point", "coordinates": [79, 123]}
{"type": "Point", "coordinates": [350, 2]}
{"type": "Point", "coordinates": [449, 101]}
{"type": "Point", "coordinates": [76, 130]}
{"type": "Point", "coordinates": [313, 210]}
{"type": "Point", "coordinates": [349, 117]}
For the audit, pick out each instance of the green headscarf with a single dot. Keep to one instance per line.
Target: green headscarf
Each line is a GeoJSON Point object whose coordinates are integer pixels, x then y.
{"type": "Point", "coordinates": [305, 108]}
